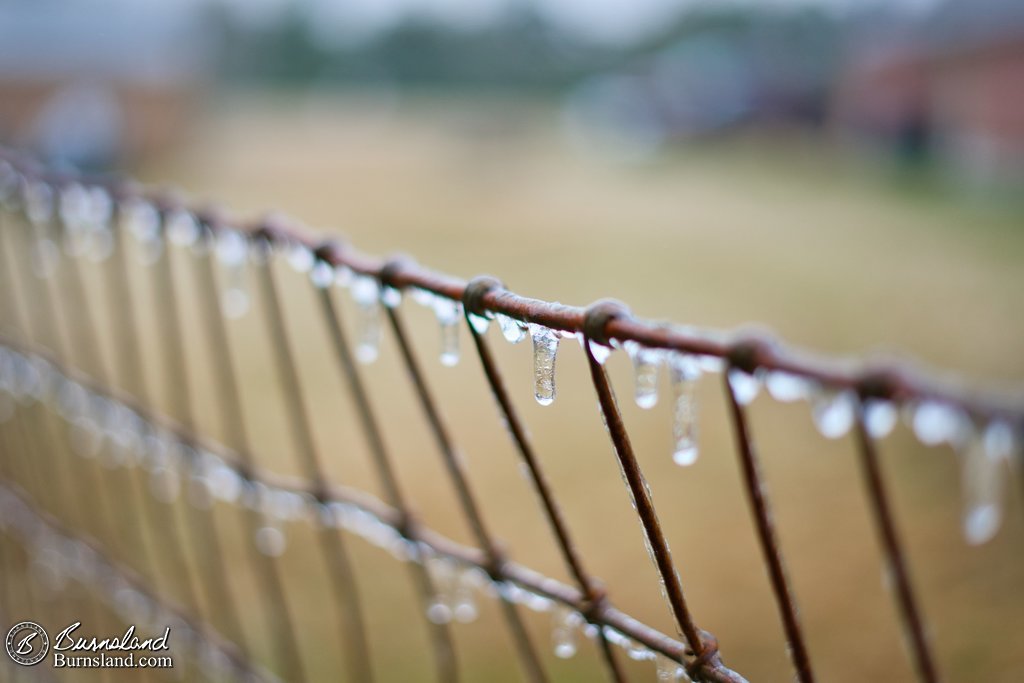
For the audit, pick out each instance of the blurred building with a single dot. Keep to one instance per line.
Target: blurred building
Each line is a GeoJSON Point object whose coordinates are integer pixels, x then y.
{"type": "Point", "coordinates": [91, 84]}
{"type": "Point", "coordinates": [949, 89]}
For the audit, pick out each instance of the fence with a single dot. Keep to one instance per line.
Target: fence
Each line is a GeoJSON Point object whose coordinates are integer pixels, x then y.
{"type": "Point", "coordinates": [62, 394]}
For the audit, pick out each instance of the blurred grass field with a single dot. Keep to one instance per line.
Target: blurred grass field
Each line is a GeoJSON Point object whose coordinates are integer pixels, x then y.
{"type": "Point", "coordinates": [829, 252]}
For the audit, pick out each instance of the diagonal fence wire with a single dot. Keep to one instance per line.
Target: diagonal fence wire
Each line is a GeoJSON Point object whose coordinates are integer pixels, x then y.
{"type": "Point", "coordinates": [47, 313]}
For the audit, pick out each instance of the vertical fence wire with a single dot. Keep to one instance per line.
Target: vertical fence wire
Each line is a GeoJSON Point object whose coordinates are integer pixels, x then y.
{"type": "Point", "coordinates": [440, 634]}
{"type": "Point", "coordinates": [332, 545]}
{"type": "Point", "coordinates": [896, 563]}
{"type": "Point", "coordinates": [452, 460]}
{"type": "Point", "coordinates": [277, 613]}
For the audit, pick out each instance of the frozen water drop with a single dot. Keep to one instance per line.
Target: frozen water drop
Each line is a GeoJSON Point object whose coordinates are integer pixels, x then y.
{"type": "Point", "coordinates": [879, 418]}
{"type": "Point", "coordinates": [667, 669]}
{"type": "Point", "coordinates": [463, 606]}
{"type": "Point", "coordinates": [513, 330]}
{"type": "Point", "coordinates": [480, 323]}
{"type": "Point", "coordinates": [833, 412]}
{"type": "Point", "coordinates": [565, 631]}
{"type": "Point", "coordinates": [745, 386]}
{"type": "Point", "coordinates": [448, 313]}
{"type": "Point", "coordinates": [270, 540]}
{"type": "Point", "coordinates": [936, 422]}
{"type": "Point", "coordinates": [322, 275]}
{"type": "Point", "coordinates": [438, 612]}
{"type": "Point", "coordinates": [391, 297]}
{"type": "Point", "coordinates": [366, 293]}
{"type": "Point", "coordinates": [182, 229]}
{"type": "Point", "coordinates": [234, 299]}
{"type": "Point", "coordinates": [787, 387]}
{"type": "Point", "coordinates": [646, 363]}
{"type": "Point", "coordinates": [983, 488]}
{"type": "Point", "coordinates": [300, 258]}
{"type": "Point", "coordinates": [232, 247]}
{"type": "Point", "coordinates": [423, 297]}
{"type": "Point", "coordinates": [600, 352]}
{"type": "Point", "coordinates": [684, 371]}
{"type": "Point", "coordinates": [545, 349]}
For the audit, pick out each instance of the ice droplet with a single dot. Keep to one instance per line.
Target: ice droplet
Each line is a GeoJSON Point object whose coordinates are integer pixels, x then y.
{"type": "Point", "coordinates": [300, 258]}
{"type": "Point", "coordinates": [545, 348]}
{"type": "Point", "coordinates": [684, 371]}
{"type": "Point", "coordinates": [935, 422]}
{"type": "Point", "coordinates": [480, 323]}
{"type": "Point", "coordinates": [143, 222]}
{"type": "Point", "coordinates": [565, 631]}
{"type": "Point", "coordinates": [745, 387]}
{"type": "Point", "coordinates": [270, 540]}
{"type": "Point", "coordinates": [442, 575]}
{"type": "Point", "coordinates": [182, 229]}
{"type": "Point", "coordinates": [600, 352]}
{"type": "Point", "coordinates": [833, 412]}
{"type": "Point", "coordinates": [668, 669]}
{"type": "Point", "coordinates": [646, 363]}
{"type": "Point", "coordinates": [983, 487]}
{"type": "Point", "coordinates": [448, 313]}
{"type": "Point", "coordinates": [787, 387]}
{"type": "Point", "coordinates": [879, 418]}
{"type": "Point", "coordinates": [391, 296]}
{"type": "Point", "coordinates": [513, 330]}
{"type": "Point", "coordinates": [322, 275]}
{"type": "Point", "coordinates": [463, 605]}
{"type": "Point", "coordinates": [366, 294]}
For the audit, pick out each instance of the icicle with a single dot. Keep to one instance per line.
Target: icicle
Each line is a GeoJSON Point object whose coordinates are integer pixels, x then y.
{"type": "Point", "coordinates": [232, 252]}
{"type": "Point", "coordinates": [182, 229]}
{"type": "Point", "coordinates": [448, 313]}
{"type": "Point", "coordinates": [935, 422]}
{"type": "Point", "coordinates": [646, 363]}
{"type": "Point", "coordinates": [545, 348]}
{"type": "Point", "coordinates": [463, 605]}
{"type": "Point", "coordinates": [565, 631]}
{"type": "Point", "coordinates": [600, 352]}
{"type": "Point", "coordinates": [300, 258]}
{"type": "Point", "coordinates": [879, 418]}
{"type": "Point", "coordinates": [442, 574]}
{"type": "Point", "coordinates": [480, 323]}
{"type": "Point", "coordinates": [366, 294]}
{"type": "Point", "coordinates": [684, 372]}
{"type": "Point", "coordinates": [513, 330]}
{"type": "Point", "coordinates": [322, 275]}
{"type": "Point", "coordinates": [787, 387]}
{"type": "Point", "coordinates": [391, 297]}
{"type": "Point", "coordinates": [423, 297]}
{"type": "Point", "coordinates": [669, 669]}
{"type": "Point", "coordinates": [270, 539]}
{"type": "Point", "coordinates": [144, 223]}
{"type": "Point", "coordinates": [100, 237]}
{"type": "Point", "coordinates": [833, 412]}
{"type": "Point", "coordinates": [745, 387]}
{"type": "Point", "coordinates": [983, 487]}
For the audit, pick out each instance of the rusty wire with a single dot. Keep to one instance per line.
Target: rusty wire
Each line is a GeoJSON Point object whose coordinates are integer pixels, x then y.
{"type": "Point", "coordinates": [603, 323]}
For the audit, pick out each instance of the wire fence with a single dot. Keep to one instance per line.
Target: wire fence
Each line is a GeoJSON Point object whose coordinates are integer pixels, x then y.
{"type": "Point", "coordinates": [68, 387]}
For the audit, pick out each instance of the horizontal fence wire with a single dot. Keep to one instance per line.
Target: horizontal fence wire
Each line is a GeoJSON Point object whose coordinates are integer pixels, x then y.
{"type": "Point", "coordinates": [50, 355]}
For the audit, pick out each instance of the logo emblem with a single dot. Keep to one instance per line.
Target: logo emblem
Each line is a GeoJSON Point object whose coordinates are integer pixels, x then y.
{"type": "Point", "coordinates": [27, 643]}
